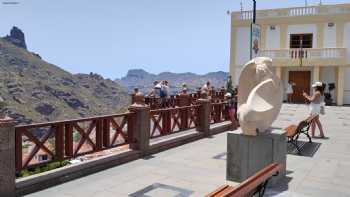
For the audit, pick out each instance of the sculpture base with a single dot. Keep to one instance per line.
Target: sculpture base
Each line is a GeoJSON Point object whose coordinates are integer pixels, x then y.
{"type": "Point", "coordinates": [246, 155]}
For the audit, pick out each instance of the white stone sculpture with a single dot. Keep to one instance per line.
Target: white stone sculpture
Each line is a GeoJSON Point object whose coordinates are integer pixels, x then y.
{"type": "Point", "coordinates": [260, 96]}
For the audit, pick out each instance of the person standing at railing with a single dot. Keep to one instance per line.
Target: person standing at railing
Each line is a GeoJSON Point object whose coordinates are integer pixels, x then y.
{"type": "Point", "coordinates": [229, 86]}
{"type": "Point", "coordinates": [231, 105]}
{"type": "Point", "coordinates": [183, 101]}
{"type": "Point", "coordinates": [183, 87]}
{"type": "Point", "coordinates": [155, 93]}
{"type": "Point", "coordinates": [164, 93]}
{"type": "Point", "coordinates": [205, 90]}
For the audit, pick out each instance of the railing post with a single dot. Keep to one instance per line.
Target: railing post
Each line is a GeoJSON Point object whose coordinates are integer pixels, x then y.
{"type": "Point", "coordinates": [204, 116]}
{"type": "Point", "coordinates": [106, 132]}
{"type": "Point", "coordinates": [68, 136]}
{"type": "Point", "coordinates": [141, 126]}
{"type": "Point", "coordinates": [184, 100]}
{"type": "Point", "coordinates": [166, 121]}
{"type": "Point", "coordinates": [99, 134]}
{"type": "Point", "coordinates": [59, 142]}
{"type": "Point", "coordinates": [7, 155]}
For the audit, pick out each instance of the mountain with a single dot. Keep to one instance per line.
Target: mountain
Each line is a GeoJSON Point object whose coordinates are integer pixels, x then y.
{"type": "Point", "coordinates": [144, 81]}
{"type": "Point", "coordinates": [37, 91]}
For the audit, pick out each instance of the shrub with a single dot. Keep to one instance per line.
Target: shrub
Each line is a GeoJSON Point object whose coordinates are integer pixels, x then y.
{"type": "Point", "coordinates": [40, 169]}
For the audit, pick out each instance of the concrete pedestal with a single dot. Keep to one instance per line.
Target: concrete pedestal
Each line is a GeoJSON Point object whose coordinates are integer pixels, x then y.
{"type": "Point", "coordinates": [246, 155]}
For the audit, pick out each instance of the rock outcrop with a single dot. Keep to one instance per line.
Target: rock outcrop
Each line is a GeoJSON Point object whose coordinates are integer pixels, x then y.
{"type": "Point", "coordinates": [16, 37]}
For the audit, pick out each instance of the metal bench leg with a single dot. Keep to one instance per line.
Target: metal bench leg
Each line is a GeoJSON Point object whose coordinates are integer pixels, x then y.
{"type": "Point", "coordinates": [295, 144]}
{"type": "Point", "coordinates": [308, 136]}
{"type": "Point", "coordinates": [263, 188]}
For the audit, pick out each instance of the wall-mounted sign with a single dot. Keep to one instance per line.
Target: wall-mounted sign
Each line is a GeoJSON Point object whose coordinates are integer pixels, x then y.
{"type": "Point", "coordinates": [255, 40]}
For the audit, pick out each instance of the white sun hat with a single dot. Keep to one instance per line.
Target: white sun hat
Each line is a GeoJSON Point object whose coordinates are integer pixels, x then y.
{"type": "Point", "coordinates": [317, 84]}
{"type": "Point", "coordinates": [228, 94]}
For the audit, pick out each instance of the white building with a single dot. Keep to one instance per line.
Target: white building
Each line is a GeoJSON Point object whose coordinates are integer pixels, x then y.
{"type": "Point", "coordinates": [323, 33]}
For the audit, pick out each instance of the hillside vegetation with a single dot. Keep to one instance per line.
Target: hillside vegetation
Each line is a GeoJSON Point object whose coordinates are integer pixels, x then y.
{"type": "Point", "coordinates": [37, 91]}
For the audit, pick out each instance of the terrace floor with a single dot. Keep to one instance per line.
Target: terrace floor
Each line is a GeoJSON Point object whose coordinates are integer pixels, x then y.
{"type": "Point", "coordinates": [198, 168]}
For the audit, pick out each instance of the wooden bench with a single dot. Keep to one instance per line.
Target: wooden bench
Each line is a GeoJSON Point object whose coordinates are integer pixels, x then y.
{"type": "Point", "coordinates": [255, 184]}
{"type": "Point", "coordinates": [294, 131]}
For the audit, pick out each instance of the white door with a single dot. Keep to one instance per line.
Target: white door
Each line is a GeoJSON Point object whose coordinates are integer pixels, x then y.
{"type": "Point", "coordinates": [347, 86]}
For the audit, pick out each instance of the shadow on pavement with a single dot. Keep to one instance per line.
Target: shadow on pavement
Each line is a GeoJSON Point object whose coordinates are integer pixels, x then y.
{"type": "Point", "coordinates": [307, 149]}
{"type": "Point", "coordinates": [279, 188]}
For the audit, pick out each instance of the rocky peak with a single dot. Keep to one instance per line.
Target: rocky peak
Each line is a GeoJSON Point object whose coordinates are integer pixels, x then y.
{"type": "Point", "coordinates": [138, 73]}
{"type": "Point", "coordinates": [16, 37]}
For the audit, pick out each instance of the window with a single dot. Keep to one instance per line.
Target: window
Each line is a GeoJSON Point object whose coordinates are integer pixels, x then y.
{"type": "Point", "coordinates": [43, 158]}
{"type": "Point", "coordinates": [301, 41]}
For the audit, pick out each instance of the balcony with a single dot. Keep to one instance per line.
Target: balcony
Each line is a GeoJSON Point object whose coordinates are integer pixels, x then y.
{"type": "Point", "coordinates": [293, 12]}
{"type": "Point", "coordinates": [310, 57]}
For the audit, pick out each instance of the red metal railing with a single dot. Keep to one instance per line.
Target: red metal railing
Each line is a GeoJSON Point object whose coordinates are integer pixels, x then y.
{"type": "Point", "coordinates": [38, 144]}
{"type": "Point", "coordinates": [172, 120]}
{"type": "Point", "coordinates": [219, 112]}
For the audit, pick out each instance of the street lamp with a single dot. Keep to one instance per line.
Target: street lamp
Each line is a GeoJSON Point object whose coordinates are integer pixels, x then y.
{"type": "Point", "coordinates": [255, 34]}
{"type": "Point", "coordinates": [254, 11]}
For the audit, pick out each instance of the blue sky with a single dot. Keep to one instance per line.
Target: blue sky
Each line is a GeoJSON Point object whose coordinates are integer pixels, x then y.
{"type": "Point", "coordinates": [111, 36]}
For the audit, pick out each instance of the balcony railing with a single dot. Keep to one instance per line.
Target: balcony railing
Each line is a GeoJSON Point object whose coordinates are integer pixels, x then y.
{"type": "Point", "coordinates": [311, 54]}
{"type": "Point", "coordinates": [297, 11]}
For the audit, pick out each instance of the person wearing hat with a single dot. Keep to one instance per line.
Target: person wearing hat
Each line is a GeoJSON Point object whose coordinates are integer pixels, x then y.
{"type": "Point", "coordinates": [231, 109]}
{"type": "Point", "coordinates": [316, 101]}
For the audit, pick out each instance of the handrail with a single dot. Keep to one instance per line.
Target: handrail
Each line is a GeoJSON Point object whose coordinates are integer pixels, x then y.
{"type": "Point", "coordinates": [71, 120]}
{"type": "Point", "coordinates": [174, 108]}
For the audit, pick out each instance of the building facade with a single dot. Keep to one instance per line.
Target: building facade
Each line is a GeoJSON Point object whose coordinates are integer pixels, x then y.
{"type": "Point", "coordinates": [306, 44]}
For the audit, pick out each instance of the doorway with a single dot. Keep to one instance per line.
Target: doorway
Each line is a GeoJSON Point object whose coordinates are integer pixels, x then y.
{"type": "Point", "coordinates": [302, 80]}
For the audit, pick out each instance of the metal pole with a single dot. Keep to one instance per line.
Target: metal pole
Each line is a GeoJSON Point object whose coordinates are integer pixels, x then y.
{"type": "Point", "coordinates": [254, 11]}
{"type": "Point", "coordinates": [301, 52]}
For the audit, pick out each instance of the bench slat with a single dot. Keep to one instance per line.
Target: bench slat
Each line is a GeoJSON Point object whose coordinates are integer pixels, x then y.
{"type": "Point", "coordinates": [249, 185]}
{"type": "Point", "coordinates": [291, 130]}
{"type": "Point", "coordinates": [220, 191]}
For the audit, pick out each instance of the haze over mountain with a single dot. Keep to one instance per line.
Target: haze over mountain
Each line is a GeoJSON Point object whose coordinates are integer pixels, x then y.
{"type": "Point", "coordinates": [37, 91]}
{"type": "Point", "coordinates": [144, 81]}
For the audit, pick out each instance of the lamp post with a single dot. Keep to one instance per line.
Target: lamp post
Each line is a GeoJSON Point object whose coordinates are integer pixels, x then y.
{"type": "Point", "coordinates": [301, 53]}
{"type": "Point", "coordinates": [254, 11]}
{"type": "Point", "coordinates": [254, 33]}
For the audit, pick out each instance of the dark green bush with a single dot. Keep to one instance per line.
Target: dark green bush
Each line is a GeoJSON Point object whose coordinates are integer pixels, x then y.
{"type": "Point", "coordinates": [40, 169]}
